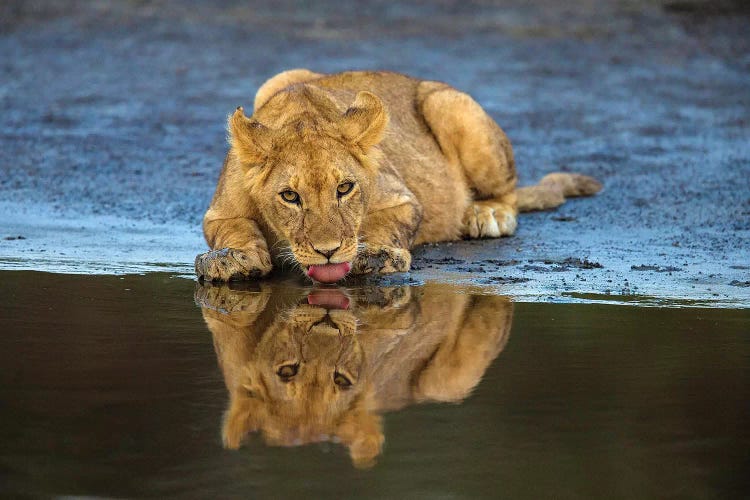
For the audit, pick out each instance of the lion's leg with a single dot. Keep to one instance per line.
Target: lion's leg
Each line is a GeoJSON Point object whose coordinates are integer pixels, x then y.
{"type": "Point", "coordinates": [465, 352]}
{"type": "Point", "coordinates": [469, 137]}
{"type": "Point", "coordinates": [280, 81]}
{"type": "Point", "coordinates": [387, 235]}
{"type": "Point", "coordinates": [239, 250]}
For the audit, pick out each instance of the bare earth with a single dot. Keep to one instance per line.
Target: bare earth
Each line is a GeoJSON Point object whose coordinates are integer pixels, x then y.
{"type": "Point", "coordinates": [112, 130]}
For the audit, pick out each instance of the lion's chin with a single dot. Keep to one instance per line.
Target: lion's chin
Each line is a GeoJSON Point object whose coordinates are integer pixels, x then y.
{"type": "Point", "coordinates": [329, 273]}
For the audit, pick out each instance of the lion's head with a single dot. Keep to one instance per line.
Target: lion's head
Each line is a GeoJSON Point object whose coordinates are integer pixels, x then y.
{"type": "Point", "coordinates": [310, 169]}
{"type": "Point", "coordinates": [304, 382]}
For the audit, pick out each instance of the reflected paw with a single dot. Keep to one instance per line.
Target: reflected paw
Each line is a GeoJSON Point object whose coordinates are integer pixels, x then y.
{"type": "Point", "coordinates": [379, 298]}
{"type": "Point", "coordinates": [489, 221]}
{"type": "Point", "coordinates": [230, 264]}
{"type": "Point", "coordinates": [227, 300]}
{"type": "Point", "coordinates": [381, 259]}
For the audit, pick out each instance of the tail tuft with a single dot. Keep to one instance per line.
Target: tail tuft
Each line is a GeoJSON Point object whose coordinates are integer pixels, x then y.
{"type": "Point", "coordinates": [553, 189]}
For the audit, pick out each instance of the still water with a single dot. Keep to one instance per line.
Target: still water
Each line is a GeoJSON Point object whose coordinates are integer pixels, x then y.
{"type": "Point", "coordinates": [155, 386]}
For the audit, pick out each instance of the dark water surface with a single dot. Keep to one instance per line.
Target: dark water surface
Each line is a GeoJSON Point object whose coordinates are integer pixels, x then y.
{"type": "Point", "coordinates": [119, 386]}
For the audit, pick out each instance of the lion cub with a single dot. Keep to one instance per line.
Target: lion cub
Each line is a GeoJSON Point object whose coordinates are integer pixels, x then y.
{"type": "Point", "coordinates": [344, 173]}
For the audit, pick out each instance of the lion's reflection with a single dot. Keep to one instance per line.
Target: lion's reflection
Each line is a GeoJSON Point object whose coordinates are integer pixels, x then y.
{"type": "Point", "coordinates": [310, 365]}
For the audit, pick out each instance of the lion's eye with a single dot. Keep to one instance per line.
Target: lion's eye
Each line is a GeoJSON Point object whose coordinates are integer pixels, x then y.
{"type": "Point", "coordinates": [341, 381]}
{"type": "Point", "coordinates": [344, 188]}
{"type": "Point", "coordinates": [289, 196]}
{"type": "Point", "coordinates": [286, 372]}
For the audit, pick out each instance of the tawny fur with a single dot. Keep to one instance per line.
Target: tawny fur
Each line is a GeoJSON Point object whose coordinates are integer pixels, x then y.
{"type": "Point", "coordinates": [397, 351]}
{"type": "Point", "coordinates": [427, 163]}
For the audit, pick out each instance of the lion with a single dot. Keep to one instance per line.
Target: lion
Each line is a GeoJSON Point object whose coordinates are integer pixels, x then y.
{"type": "Point", "coordinates": [345, 173]}
{"type": "Point", "coordinates": [304, 366]}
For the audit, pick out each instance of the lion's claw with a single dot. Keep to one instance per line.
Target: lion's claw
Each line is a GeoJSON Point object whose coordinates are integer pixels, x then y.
{"type": "Point", "coordinates": [231, 264]}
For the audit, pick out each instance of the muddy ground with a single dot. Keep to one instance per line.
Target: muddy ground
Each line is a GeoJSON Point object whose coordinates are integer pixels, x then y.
{"type": "Point", "coordinates": [112, 130]}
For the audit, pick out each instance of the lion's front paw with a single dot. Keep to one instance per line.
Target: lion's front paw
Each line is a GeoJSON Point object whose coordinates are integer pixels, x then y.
{"type": "Point", "coordinates": [381, 259]}
{"type": "Point", "coordinates": [231, 264]}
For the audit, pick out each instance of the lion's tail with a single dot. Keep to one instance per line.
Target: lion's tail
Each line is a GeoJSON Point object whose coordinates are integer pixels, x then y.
{"type": "Point", "coordinates": [553, 189]}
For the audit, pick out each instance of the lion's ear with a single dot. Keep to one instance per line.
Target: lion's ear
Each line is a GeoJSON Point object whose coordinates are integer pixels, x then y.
{"type": "Point", "coordinates": [362, 433]}
{"type": "Point", "coordinates": [241, 418]}
{"type": "Point", "coordinates": [247, 402]}
{"type": "Point", "coordinates": [250, 139]}
{"type": "Point", "coordinates": [365, 121]}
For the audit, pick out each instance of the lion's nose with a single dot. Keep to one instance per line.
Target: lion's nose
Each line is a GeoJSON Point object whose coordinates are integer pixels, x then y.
{"type": "Point", "coordinates": [327, 250]}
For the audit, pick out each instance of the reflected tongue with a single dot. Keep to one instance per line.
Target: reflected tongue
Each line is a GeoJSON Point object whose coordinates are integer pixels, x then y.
{"type": "Point", "coordinates": [328, 273]}
{"type": "Point", "coordinates": [330, 299]}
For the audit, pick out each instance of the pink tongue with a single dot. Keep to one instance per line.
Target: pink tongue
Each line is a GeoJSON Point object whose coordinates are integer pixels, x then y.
{"type": "Point", "coordinates": [329, 273]}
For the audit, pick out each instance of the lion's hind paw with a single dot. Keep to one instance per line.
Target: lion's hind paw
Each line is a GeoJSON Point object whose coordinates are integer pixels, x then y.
{"type": "Point", "coordinates": [489, 220]}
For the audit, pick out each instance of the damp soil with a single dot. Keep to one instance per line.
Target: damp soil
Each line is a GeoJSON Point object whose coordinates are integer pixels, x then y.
{"type": "Point", "coordinates": [118, 386]}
